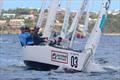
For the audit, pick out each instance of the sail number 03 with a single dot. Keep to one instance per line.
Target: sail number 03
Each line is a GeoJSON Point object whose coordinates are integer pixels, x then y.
{"type": "Point", "coordinates": [74, 61]}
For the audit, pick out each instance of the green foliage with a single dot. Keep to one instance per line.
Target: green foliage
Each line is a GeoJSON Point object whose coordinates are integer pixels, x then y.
{"type": "Point", "coordinates": [29, 23]}
{"type": "Point", "coordinates": [112, 24]}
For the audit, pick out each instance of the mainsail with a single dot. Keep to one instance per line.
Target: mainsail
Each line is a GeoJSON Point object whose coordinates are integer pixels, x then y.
{"type": "Point", "coordinates": [41, 15]}
{"type": "Point", "coordinates": [66, 20]}
{"type": "Point", "coordinates": [76, 21]}
{"type": "Point", "coordinates": [51, 18]}
{"type": "Point", "coordinates": [95, 35]}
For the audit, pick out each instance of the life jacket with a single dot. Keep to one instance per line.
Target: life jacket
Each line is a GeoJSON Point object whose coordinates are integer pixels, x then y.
{"type": "Point", "coordinates": [26, 38]}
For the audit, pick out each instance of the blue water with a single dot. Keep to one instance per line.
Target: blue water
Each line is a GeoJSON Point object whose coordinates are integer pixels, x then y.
{"type": "Point", "coordinates": [105, 65]}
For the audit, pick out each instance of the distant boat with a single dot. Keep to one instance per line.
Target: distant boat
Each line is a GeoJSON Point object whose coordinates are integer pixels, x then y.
{"type": "Point", "coordinates": [45, 57]}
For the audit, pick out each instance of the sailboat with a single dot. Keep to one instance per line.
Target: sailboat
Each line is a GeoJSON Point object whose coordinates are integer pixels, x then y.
{"type": "Point", "coordinates": [47, 57]}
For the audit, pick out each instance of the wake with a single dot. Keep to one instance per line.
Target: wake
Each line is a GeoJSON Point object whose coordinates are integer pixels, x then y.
{"type": "Point", "coordinates": [92, 67]}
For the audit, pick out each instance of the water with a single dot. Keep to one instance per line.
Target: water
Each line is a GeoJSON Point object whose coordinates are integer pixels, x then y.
{"type": "Point", "coordinates": [105, 65]}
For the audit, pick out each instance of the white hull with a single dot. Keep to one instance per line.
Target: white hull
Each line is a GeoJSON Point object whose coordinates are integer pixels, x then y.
{"type": "Point", "coordinates": [54, 57]}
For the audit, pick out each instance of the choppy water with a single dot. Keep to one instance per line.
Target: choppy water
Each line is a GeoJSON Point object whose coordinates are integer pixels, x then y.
{"type": "Point", "coordinates": [106, 65]}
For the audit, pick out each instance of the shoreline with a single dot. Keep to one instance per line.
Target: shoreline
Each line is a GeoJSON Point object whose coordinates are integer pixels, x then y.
{"type": "Point", "coordinates": [112, 34]}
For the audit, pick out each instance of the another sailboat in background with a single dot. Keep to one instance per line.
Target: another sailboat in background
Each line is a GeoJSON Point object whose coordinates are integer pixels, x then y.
{"type": "Point", "coordinates": [47, 57]}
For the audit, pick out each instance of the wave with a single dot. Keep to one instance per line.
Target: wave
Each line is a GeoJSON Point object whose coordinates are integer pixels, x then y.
{"type": "Point", "coordinates": [93, 67]}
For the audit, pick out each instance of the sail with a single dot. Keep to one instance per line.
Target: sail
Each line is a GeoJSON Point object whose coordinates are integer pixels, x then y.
{"type": "Point", "coordinates": [41, 14]}
{"type": "Point", "coordinates": [76, 20]}
{"type": "Point", "coordinates": [1, 2]}
{"type": "Point", "coordinates": [97, 30]}
{"type": "Point", "coordinates": [66, 20]}
{"type": "Point", "coordinates": [51, 18]}
{"type": "Point", "coordinates": [85, 28]}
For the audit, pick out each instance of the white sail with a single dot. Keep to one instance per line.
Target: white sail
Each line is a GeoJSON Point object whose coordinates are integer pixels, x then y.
{"type": "Point", "coordinates": [85, 28]}
{"type": "Point", "coordinates": [66, 20]}
{"type": "Point", "coordinates": [41, 15]}
{"type": "Point", "coordinates": [1, 2]}
{"type": "Point", "coordinates": [97, 30]}
{"type": "Point", "coordinates": [51, 18]}
{"type": "Point", "coordinates": [76, 20]}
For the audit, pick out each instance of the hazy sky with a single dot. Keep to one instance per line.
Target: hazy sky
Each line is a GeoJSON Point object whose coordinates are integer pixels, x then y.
{"type": "Point", "coordinates": [94, 4]}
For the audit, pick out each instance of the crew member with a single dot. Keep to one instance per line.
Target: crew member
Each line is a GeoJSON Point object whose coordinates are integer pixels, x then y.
{"type": "Point", "coordinates": [25, 36]}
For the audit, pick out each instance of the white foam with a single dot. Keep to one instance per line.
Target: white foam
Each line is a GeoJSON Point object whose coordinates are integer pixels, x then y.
{"type": "Point", "coordinates": [112, 68]}
{"type": "Point", "coordinates": [93, 67]}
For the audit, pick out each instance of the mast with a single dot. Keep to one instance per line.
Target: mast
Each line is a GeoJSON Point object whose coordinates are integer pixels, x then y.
{"type": "Point", "coordinates": [41, 14]}
{"type": "Point", "coordinates": [66, 20]}
{"type": "Point", "coordinates": [51, 18]}
{"type": "Point", "coordinates": [95, 35]}
{"type": "Point", "coordinates": [76, 21]}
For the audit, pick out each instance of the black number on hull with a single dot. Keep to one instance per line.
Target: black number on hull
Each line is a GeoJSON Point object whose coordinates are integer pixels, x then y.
{"type": "Point", "coordinates": [74, 61]}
